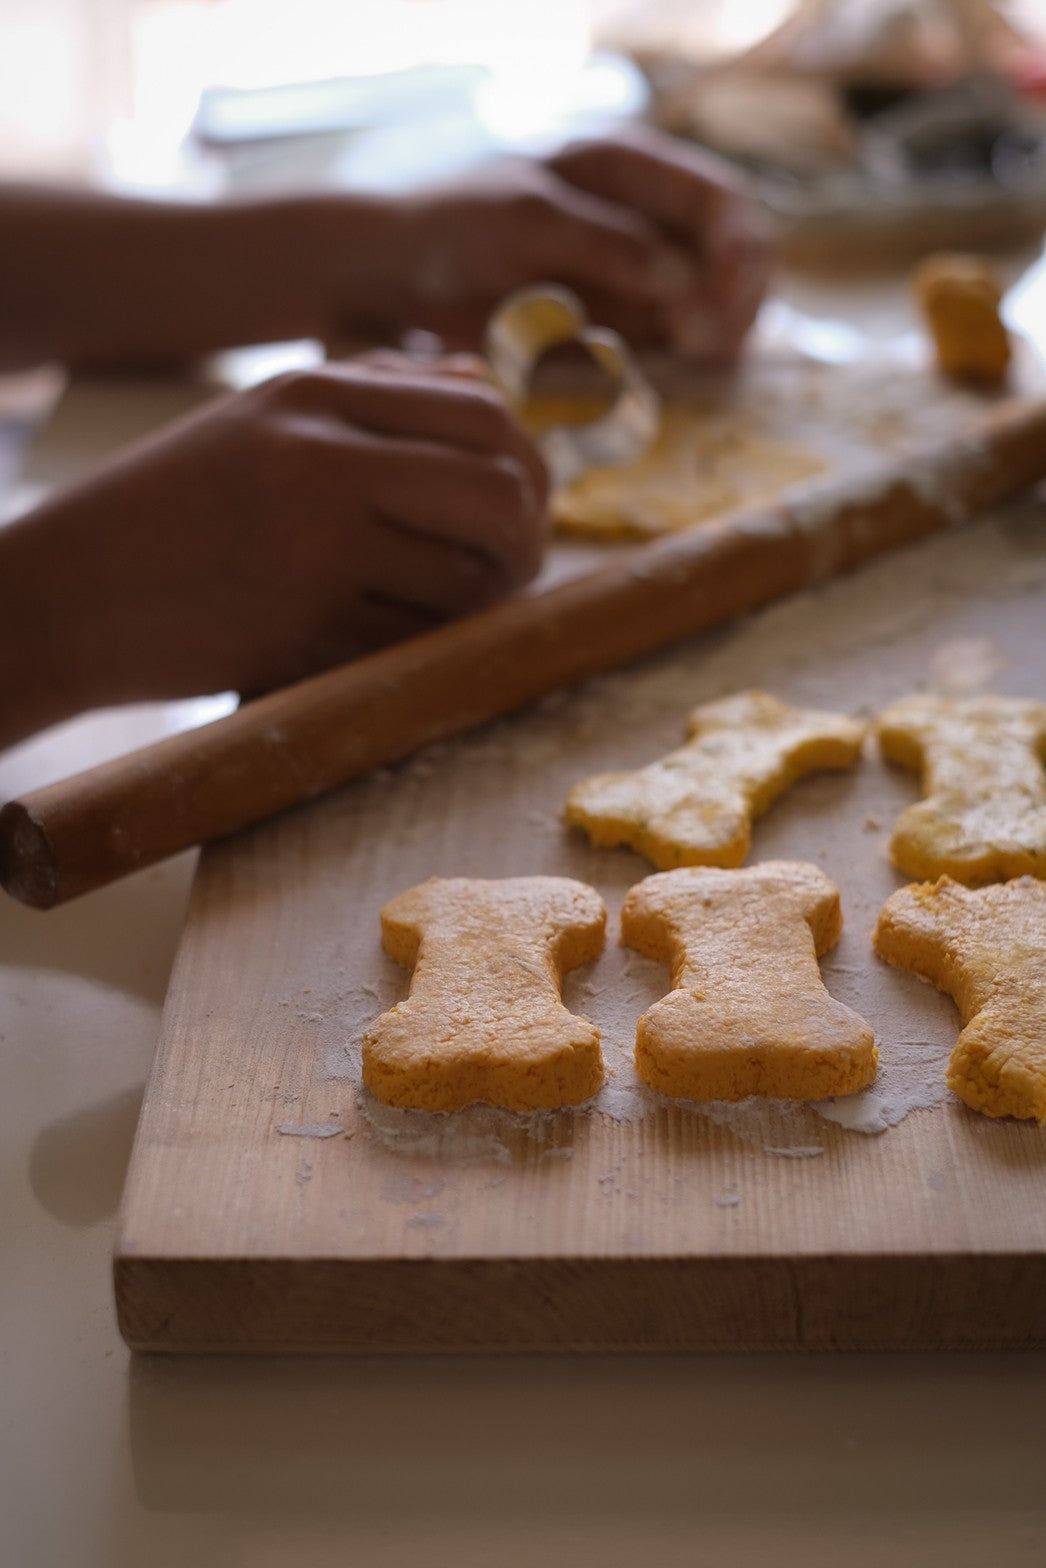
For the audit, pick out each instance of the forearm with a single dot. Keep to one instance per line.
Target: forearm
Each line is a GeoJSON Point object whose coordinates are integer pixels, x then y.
{"type": "Point", "coordinates": [87, 278]}
{"type": "Point", "coordinates": [46, 664]}
{"type": "Point", "coordinates": [107, 588]}
{"type": "Point", "coordinates": [95, 593]}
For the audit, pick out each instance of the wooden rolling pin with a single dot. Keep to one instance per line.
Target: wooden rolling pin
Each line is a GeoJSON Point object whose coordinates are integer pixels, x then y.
{"type": "Point", "coordinates": [296, 743]}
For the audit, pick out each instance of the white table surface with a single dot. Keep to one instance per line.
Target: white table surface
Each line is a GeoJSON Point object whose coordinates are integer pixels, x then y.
{"type": "Point", "coordinates": [110, 1460]}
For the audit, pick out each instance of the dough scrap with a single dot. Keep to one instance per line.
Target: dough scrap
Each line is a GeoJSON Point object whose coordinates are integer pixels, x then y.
{"type": "Point", "coordinates": [986, 948]}
{"type": "Point", "coordinates": [696, 806]}
{"type": "Point", "coordinates": [960, 297]}
{"type": "Point", "coordinates": [484, 1021]}
{"type": "Point", "coordinates": [748, 1013]}
{"type": "Point", "coordinates": [981, 761]}
{"type": "Point", "coordinates": [704, 462]}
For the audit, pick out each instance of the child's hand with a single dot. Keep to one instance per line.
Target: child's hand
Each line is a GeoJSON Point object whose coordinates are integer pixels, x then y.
{"type": "Point", "coordinates": [274, 533]}
{"type": "Point", "coordinates": [696, 201]}
{"type": "Point", "coordinates": [656, 236]}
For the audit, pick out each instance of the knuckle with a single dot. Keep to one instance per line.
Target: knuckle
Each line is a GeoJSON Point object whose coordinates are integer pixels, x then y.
{"type": "Point", "coordinates": [578, 149]}
{"type": "Point", "coordinates": [585, 156]}
{"type": "Point", "coordinates": [290, 388]}
{"type": "Point", "coordinates": [531, 204]}
{"type": "Point", "coordinates": [501, 424]}
{"type": "Point", "coordinates": [488, 413]}
{"type": "Point", "coordinates": [518, 509]}
{"type": "Point", "coordinates": [376, 360]}
{"type": "Point", "coordinates": [478, 392]}
{"type": "Point", "coordinates": [510, 483]}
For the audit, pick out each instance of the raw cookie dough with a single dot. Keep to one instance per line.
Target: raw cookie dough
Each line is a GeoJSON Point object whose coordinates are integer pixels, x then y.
{"type": "Point", "coordinates": [749, 1014]}
{"type": "Point", "coordinates": [696, 806]}
{"type": "Point", "coordinates": [981, 762]}
{"type": "Point", "coordinates": [987, 949]}
{"type": "Point", "coordinates": [484, 1020]}
{"type": "Point", "coordinates": [704, 462]}
{"type": "Point", "coordinates": [960, 297]}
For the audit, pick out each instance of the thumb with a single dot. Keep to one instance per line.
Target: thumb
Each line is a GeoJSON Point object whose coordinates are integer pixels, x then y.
{"type": "Point", "coordinates": [601, 245]}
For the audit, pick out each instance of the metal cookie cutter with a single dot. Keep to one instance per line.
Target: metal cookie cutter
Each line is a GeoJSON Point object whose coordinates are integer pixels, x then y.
{"type": "Point", "coordinates": [522, 330]}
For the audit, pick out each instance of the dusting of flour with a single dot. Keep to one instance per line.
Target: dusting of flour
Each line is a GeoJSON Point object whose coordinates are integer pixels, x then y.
{"type": "Point", "coordinates": [956, 615]}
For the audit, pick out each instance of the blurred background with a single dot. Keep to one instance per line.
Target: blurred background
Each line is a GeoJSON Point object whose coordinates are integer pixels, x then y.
{"type": "Point", "coordinates": [209, 94]}
{"type": "Point", "coordinates": [874, 130]}
{"type": "Point", "coordinates": [897, 124]}
{"type": "Point", "coordinates": [112, 87]}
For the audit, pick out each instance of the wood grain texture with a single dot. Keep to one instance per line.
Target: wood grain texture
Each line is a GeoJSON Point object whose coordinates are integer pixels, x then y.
{"type": "Point", "coordinates": [296, 744]}
{"type": "Point", "coordinates": [638, 1225]}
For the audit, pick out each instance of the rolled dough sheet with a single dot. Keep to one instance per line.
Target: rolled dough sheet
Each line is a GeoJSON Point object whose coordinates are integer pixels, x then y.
{"type": "Point", "coordinates": [779, 420]}
{"type": "Point", "coordinates": [705, 461]}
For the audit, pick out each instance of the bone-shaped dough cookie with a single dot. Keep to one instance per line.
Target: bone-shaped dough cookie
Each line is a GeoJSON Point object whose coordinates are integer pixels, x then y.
{"type": "Point", "coordinates": [484, 1020]}
{"type": "Point", "coordinates": [695, 806]}
{"type": "Point", "coordinates": [749, 1014]}
{"type": "Point", "coordinates": [981, 761]}
{"type": "Point", "coordinates": [987, 948]}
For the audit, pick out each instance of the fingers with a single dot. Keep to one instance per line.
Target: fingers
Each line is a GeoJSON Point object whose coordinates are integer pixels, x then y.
{"type": "Point", "coordinates": [429, 407]}
{"type": "Point", "coordinates": [682, 188]}
{"type": "Point", "coordinates": [481, 506]}
{"type": "Point", "coordinates": [579, 237]}
{"type": "Point", "coordinates": [457, 528]}
{"type": "Point", "coordinates": [712, 320]}
{"type": "Point", "coordinates": [373, 557]}
{"type": "Point", "coordinates": [406, 488]}
{"type": "Point", "coordinates": [433, 577]}
{"type": "Point", "coordinates": [359, 624]}
{"type": "Point", "coordinates": [469, 367]}
{"type": "Point", "coordinates": [637, 321]}
{"type": "Point", "coordinates": [699, 202]}
{"type": "Point", "coordinates": [645, 223]}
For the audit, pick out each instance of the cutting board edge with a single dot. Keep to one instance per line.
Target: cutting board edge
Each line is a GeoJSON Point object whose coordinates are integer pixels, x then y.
{"type": "Point", "coordinates": [888, 1302]}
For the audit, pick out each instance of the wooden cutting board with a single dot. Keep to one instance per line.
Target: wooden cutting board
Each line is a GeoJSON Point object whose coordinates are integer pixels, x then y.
{"type": "Point", "coordinates": [271, 1205]}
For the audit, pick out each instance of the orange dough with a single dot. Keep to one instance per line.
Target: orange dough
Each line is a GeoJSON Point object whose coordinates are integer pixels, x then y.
{"type": "Point", "coordinates": [749, 1014]}
{"type": "Point", "coordinates": [484, 1020]}
{"type": "Point", "coordinates": [981, 762]}
{"type": "Point", "coordinates": [695, 806]}
{"type": "Point", "coordinates": [960, 297]}
{"type": "Point", "coordinates": [987, 948]}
